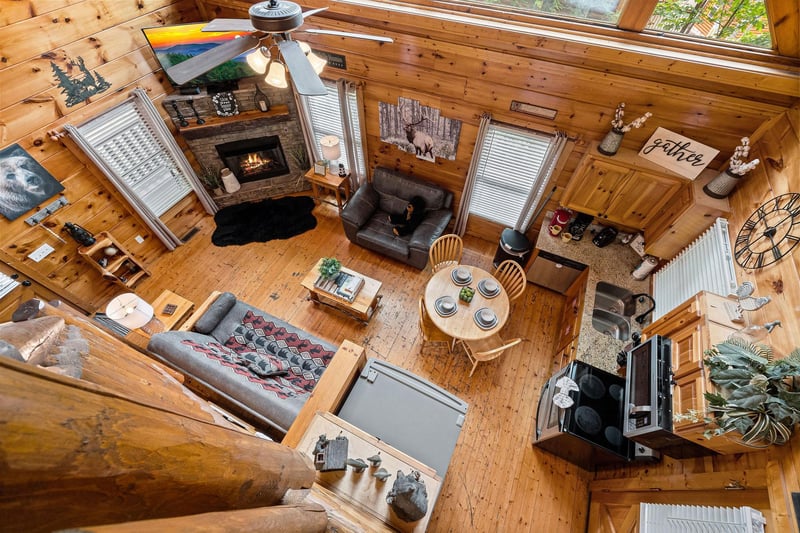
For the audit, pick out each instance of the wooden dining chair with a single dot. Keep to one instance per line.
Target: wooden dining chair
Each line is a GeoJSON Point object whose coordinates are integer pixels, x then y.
{"type": "Point", "coordinates": [430, 333]}
{"type": "Point", "coordinates": [486, 349]}
{"type": "Point", "coordinates": [512, 277]}
{"type": "Point", "coordinates": [446, 251]}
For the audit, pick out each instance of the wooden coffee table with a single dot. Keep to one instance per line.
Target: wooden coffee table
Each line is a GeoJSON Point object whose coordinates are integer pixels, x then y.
{"type": "Point", "coordinates": [361, 308]}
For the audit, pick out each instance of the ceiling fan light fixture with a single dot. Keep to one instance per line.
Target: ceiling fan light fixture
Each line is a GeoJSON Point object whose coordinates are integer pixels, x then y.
{"type": "Point", "coordinates": [276, 76]}
{"type": "Point", "coordinates": [258, 59]}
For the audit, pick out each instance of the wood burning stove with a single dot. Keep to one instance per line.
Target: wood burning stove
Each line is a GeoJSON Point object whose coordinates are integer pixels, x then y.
{"type": "Point", "coordinates": [254, 159]}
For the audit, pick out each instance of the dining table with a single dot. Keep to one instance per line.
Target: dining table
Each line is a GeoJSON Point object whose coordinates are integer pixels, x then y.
{"type": "Point", "coordinates": [463, 324]}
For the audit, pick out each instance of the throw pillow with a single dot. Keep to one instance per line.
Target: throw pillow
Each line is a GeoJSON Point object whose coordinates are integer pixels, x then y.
{"type": "Point", "coordinates": [215, 313]}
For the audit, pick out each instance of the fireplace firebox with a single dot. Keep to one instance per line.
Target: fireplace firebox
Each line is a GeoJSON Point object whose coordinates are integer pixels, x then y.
{"type": "Point", "coordinates": [254, 159]}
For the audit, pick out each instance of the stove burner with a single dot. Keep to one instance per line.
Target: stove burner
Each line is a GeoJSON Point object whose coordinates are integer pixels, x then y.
{"type": "Point", "coordinates": [592, 386]}
{"type": "Point", "coordinates": [588, 420]}
{"type": "Point", "coordinates": [616, 392]}
{"type": "Point", "coordinates": [613, 435]}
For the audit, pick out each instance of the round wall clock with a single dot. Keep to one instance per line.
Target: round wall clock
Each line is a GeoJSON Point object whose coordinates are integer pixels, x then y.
{"type": "Point", "coordinates": [770, 233]}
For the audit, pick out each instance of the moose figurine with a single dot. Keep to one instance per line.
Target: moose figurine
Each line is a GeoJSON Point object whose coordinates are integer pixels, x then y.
{"type": "Point", "coordinates": [423, 143]}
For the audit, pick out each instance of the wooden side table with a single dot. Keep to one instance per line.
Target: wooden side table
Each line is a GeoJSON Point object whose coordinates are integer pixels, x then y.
{"type": "Point", "coordinates": [161, 320]}
{"type": "Point", "coordinates": [333, 182]}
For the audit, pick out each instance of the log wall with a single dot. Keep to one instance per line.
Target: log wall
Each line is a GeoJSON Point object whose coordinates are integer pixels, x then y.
{"type": "Point", "coordinates": [34, 35]}
{"type": "Point", "coordinates": [463, 69]}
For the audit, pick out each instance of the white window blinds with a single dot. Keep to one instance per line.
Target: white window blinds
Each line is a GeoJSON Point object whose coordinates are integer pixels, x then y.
{"type": "Point", "coordinates": [127, 144]}
{"type": "Point", "coordinates": [508, 173]}
{"type": "Point", "coordinates": [325, 118]}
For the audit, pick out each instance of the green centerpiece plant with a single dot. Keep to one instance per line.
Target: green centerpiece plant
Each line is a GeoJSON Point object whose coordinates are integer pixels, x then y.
{"type": "Point", "coordinates": [758, 395]}
{"type": "Point", "coordinates": [330, 267]}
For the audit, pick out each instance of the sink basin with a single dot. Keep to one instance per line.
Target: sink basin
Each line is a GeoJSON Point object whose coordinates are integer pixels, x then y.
{"type": "Point", "coordinates": [614, 299]}
{"type": "Point", "coordinates": [611, 324]}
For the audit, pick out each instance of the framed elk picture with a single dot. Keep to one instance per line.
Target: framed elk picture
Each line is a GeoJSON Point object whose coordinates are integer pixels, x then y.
{"type": "Point", "coordinates": [418, 129]}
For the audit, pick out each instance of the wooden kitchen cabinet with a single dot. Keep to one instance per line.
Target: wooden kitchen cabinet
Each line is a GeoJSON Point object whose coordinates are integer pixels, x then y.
{"type": "Point", "coordinates": [684, 218]}
{"type": "Point", "coordinates": [694, 327]}
{"type": "Point", "coordinates": [624, 189]}
{"type": "Point", "coordinates": [567, 342]}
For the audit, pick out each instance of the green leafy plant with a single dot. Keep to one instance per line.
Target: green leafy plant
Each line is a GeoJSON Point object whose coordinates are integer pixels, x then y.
{"type": "Point", "coordinates": [330, 267]}
{"type": "Point", "coordinates": [758, 395]}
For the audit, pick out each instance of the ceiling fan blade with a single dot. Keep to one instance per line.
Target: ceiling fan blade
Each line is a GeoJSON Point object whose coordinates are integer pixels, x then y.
{"type": "Point", "coordinates": [229, 25]}
{"type": "Point", "coordinates": [304, 78]}
{"type": "Point", "coordinates": [378, 38]}
{"type": "Point", "coordinates": [202, 63]}
{"type": "Point", "coordinates": [313, 11]}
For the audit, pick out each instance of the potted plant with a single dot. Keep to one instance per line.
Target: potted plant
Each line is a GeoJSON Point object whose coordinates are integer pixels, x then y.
{"type": "Point", "coordinates": [758, 396]}
{"type": "Point", "coordinates": [330, 267]}
{"type": "Point", "coordinates": [211, 180]}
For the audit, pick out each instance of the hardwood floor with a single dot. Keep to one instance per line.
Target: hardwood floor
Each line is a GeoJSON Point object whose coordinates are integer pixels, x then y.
{"type": "Point", "coordinates": [496, 481]}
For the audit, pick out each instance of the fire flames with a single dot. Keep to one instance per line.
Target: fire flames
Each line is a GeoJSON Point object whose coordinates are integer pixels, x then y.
{"type": "Point", "coordinates": [254, 164]}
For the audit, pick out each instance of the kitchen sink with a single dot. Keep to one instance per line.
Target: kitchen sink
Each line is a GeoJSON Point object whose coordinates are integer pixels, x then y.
{"type": "Point", "coordinates": [611, 324]}
{"type": "Point", "coordinates": [614, 299]}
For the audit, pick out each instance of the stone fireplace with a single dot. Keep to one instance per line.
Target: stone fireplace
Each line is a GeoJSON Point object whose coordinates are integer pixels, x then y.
{"type": "Point", "coordinates": [260, 148]}
{"type": "Point", "coordinates": [254, 159]}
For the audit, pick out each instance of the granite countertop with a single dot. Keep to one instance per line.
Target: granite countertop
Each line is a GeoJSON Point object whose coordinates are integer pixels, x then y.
{"type": "Point", "coordinates": [613, 264]}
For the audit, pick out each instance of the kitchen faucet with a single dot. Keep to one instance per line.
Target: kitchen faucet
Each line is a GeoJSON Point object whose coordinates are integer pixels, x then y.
{"type": "Point", "coordinates": [641, 318]}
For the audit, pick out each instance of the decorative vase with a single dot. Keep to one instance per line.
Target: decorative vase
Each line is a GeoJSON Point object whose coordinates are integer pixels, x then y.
{"type": "Point", "coordinates": [722, 185]}
{"type": "Point", "coordinates": [611, 142]}
{"type": "Point", "coordinates": [229, 181]}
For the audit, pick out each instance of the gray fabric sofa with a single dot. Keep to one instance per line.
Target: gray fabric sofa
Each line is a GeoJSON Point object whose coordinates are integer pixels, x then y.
{"type": "Point", "coordinates": [366, 216]}
{"type": "Point", "coordinates": [261, 367]}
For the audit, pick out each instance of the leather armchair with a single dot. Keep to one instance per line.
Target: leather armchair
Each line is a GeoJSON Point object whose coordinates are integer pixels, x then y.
{"type": "Point", "coordinates": [365, 218]}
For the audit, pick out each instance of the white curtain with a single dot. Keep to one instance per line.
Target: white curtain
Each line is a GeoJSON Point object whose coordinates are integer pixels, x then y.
{"type": "Point", "coordinates": [132, 146]}
{"type": "Point", "coordinates": [351, 108]}
{"type": "Point", "coordinates": [460, 225]}
{"type": "Point", "coordinates": [551, 158]}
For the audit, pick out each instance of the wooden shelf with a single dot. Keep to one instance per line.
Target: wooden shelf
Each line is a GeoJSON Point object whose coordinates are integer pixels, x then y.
{"type": "Point", "coordinates": [213, 121]}
{"type": "Point", "coordinates": [121, 268]}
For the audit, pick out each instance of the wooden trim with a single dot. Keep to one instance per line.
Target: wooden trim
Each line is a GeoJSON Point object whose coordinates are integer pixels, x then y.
{"type": "Point", "coordinates": [330, 391]}
{"type": "Point", "coordinates": [784, 21]}
{"type": "Point", "coordinates": [634, 15]}
{"type": "Point", "coordinates": [749, 479]}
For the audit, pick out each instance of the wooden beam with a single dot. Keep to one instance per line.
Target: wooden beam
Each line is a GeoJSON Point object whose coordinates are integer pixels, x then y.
{"type": "Point", "coordinates": [306, 518]}
{"type": "Point", "coordinates": [97, 458]}
{"type": "Point", "coordinates": [784, 25]}
{"type": "Point", "coordinates": [635, 14]}
{"type": "Point", "coordinates": [750, 479]}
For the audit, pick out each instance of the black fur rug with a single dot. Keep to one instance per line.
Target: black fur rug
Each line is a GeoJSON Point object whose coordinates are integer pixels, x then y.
{"type": "Point", "coordinates": [263, 221]}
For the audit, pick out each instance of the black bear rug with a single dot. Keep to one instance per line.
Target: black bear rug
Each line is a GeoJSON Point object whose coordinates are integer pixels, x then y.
{"type": "Point", "coordinates": [280, 218]}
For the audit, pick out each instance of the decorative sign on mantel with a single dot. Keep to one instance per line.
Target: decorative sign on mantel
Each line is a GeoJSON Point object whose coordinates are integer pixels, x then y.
{"type": "Point", "coordinates": [677, 153]}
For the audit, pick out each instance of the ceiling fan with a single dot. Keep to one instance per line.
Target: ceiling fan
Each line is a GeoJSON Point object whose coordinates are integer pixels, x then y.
{"type": "Point", "coordinates": [271, 24]}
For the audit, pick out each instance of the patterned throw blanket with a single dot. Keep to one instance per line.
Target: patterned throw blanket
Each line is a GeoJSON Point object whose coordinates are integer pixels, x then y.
{"type": "Point", "coordinates": [278, 360]}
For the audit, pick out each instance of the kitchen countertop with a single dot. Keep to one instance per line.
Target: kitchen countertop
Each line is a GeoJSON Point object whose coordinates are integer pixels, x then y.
{"type": "Point", "coordinates": [613, 264]}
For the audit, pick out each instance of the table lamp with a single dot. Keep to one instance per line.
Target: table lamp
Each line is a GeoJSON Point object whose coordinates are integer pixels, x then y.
{"type": "Point", "coordinates": [129, 310]}
{"type": "Point", "coordinates": [331, 149]}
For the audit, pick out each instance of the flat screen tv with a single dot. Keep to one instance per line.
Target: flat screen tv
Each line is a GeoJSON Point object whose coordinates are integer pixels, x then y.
{"type": "Point", "coordinates": [177, 43]}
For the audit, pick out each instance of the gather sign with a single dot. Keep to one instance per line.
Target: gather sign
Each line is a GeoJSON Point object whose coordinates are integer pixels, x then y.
{"type": "Point", "coordinates": [677, 153]}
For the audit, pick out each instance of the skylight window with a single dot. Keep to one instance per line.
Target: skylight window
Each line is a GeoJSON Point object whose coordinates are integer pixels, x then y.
{"type": "Point", "coordinates": [736, 21]}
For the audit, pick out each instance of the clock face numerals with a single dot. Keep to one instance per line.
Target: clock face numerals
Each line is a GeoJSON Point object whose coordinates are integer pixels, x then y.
{"type": "Point", "coordinates": [771, 232]}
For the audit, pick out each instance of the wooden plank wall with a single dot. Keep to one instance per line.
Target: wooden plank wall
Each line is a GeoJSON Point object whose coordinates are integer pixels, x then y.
{"type": "Point", "coordinates": [34, 34]}
{"type": "Point", "coordinates": [466, 70]}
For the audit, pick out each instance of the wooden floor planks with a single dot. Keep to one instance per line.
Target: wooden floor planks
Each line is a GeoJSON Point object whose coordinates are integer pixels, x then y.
{"type": "Point", "coordinates": [496, 481]}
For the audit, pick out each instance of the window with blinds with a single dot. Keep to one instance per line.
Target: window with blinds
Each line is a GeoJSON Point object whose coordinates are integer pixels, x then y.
{"type": "Point", "coordinates": [325, 115]}
{"type": "Point", "coordinates": [509, 171]}
{"type": "Point", "coordinates": [125, 141]}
